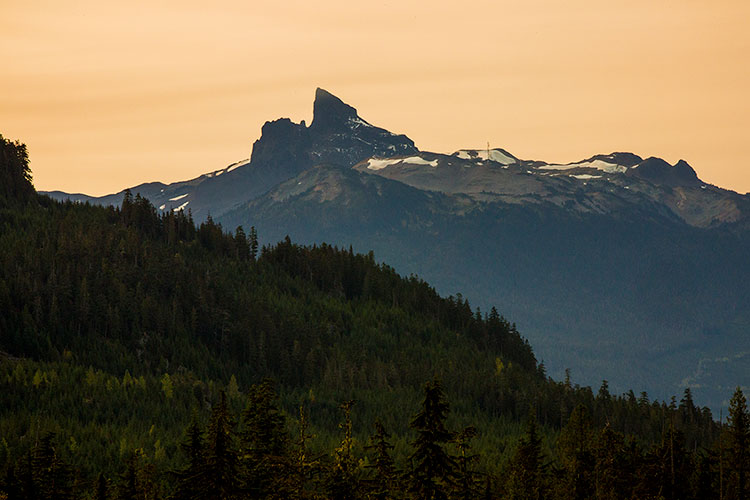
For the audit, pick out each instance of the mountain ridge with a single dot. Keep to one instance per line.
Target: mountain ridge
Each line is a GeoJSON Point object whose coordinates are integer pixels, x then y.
{"type": "Point", "coordinates": [339, 136]}
{"type": "Point", "coordinates": [609, 263]}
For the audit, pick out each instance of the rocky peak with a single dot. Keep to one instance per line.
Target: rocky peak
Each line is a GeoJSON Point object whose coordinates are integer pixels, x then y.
{"type": "Point", "coordinates": [330, 113]}
{"type": "Point", "coordinates": [282, 142]}
{"type": "Point", "coordinates": [660, 172]}
{"type": "Point", "coordinates": [340, 137]}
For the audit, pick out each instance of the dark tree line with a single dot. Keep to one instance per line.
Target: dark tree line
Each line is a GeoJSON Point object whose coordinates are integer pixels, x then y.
{"type": "Point", "coordinates": [254, 455]}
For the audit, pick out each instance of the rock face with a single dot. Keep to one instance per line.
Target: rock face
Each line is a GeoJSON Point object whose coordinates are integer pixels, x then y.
{"type": "Point", "coordinates": [331, 114]}
{"type": "Point", "coordinates": [662, 173]}
{"type": "Point", "coordinates": [341, 137]}
{"type": "Point", "coordinates": [337, 136]}
{"type": "Point", "coordinates": [283, 146]}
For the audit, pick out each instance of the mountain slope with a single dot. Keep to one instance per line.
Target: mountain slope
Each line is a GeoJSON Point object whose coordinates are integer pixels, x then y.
{"type": "Point", "coordinates": [638, 298]}
{"type": "Point", "coordinates": [616, 266]}
{"type": "Point", "coordinates": [602, 184]}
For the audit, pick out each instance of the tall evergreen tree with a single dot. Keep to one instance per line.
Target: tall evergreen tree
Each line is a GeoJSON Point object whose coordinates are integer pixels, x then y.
{"type": "Point", "coordinates": [738, 445]}
{"type": "Point", "coordinates": [574, 446]}
{"type": "Point", "coordinates": [612, 474]}
{"type": "Point", "coordinates": [434, 470]}
{"type": "Point", "coordinates": [253, 241]}
{"type": "Point", "coordinates": [241, 246]}
{"type": "Point", "coordinates": [527, 480]}
{"type": "Point", "coordinates": [264, 443]}
{"type": "Point", "coordinates": [343, 483]}
{"type": "Point", "coordinates": [467, 486]}
{"type": "Point", "coordinates": [303, 467]}
{"type": "Point", "coordinates": [384, 483]}
{"type": "Point", "coordinates": [221, 457]}
{"type": "Point", "coordinates": [192, 480]}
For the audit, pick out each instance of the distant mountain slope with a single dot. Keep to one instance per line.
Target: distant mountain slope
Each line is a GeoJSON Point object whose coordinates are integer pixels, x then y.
{"type": "Point", "coordinates": [601, 184]}
{"type": "Point", "coordinates": [616, 266]}
{"type": "Point", "coordinates": [638, 297]}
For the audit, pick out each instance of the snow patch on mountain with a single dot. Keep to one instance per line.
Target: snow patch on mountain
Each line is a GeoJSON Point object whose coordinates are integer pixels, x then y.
{"type": "Point", "coordinates": [496, 155]}
{"type": "Point", "coordinates": [177, 198]}
{"type": "Point", "coordinates": [609, 168]}
{"type": "Point", "coordinates": [180, 207]}
{"type": "Point", "coordinates": [585, 176]}
{"type": "Point", "coordinates": [381, 163]}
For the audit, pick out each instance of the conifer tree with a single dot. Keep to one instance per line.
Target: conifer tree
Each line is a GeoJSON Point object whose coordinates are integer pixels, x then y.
{"type": "Point", "coordinates": [221, 457]}
{"type": "Point", "coordinates": [191, 480]}
{"type": "Point", "coordinates": [434, 470]}
{"type": "Point", "coordinates": [575, 449]}
{"type": "Point", "coordinates": [704, 480]}
{"type": "Point", "coordinates": [264, 443]}
{"type": "Point", "coordinates": [253, 241]}
{"type": "Point", "coordinates": [467, 485]}
{"type": "Point", "coordinates": [739, 441]}
{"type": "Point", "coordinates": [611, 472]}
{"type": "Point", "coordinates": [527, 470]}
{"type": "Point", "coordinates": [303, 467]}
{"type": "Point", "coordinates": [384, 482]}
{"type": "Point", "coordinates": [342, 483]}
{"type": "Point", "coordinates": [242, 248]}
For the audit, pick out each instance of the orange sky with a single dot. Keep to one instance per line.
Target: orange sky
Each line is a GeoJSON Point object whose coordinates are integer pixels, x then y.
{"type": "Point", "coordinates": [111, 94]}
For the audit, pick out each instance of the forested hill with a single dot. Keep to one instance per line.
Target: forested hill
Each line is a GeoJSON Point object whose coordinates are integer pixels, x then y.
{"type": "Point", "coordinates": [120, 325]}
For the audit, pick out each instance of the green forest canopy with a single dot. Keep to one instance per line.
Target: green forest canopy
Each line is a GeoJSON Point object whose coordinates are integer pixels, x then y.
{"type": "Point", "coordinates": [124, 328]}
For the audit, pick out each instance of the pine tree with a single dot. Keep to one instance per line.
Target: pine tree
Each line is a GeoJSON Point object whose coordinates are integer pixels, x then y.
{"type": "Point", "coordinates": [575, 449]}
{"type": "Point", "coordinates": [434, 470]}
{"type": "Point", "coordinates": [612, 476]}
{"type": "Point", "coordinates": [191, 480]}
{"type": "Point", "coordinates": [739, 441]}
{"type": "Point", "coordinates": [253, 239]}
{"type": "Point", "coordinates": [384, 483]}
{"type": "Point", "coordinates": [221, 458]}
{"type": "Point", "coordinates": [527, 470]}
{"type": "Point", "coordinates": [303, 468]}
{"type": "Point", "coordinates": [342, 483]}
{"type": "Point", "coordinates": [242, 247]}
{"type": "Point", "coordinates": [467, 485]}
{"type": "Point", "coordinates": [264, 442]}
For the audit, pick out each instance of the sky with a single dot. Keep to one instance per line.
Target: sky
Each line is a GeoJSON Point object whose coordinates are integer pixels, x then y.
{"type": "Point", "coordinates": [108, 95]}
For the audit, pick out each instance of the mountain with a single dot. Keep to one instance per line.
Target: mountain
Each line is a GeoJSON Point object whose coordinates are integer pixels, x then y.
{"type": "Point", "coordinates": [616, 267]}
{"type": "Point", "coordinates": [337, 135]}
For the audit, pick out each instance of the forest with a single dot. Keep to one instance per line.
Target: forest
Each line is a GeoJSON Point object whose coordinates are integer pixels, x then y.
{"type": "Point", "coordinates": [145, 356]}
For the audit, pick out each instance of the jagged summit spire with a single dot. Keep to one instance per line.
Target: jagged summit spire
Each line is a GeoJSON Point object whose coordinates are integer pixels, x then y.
{"type": "Point", "coordinates": [329, 111]}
